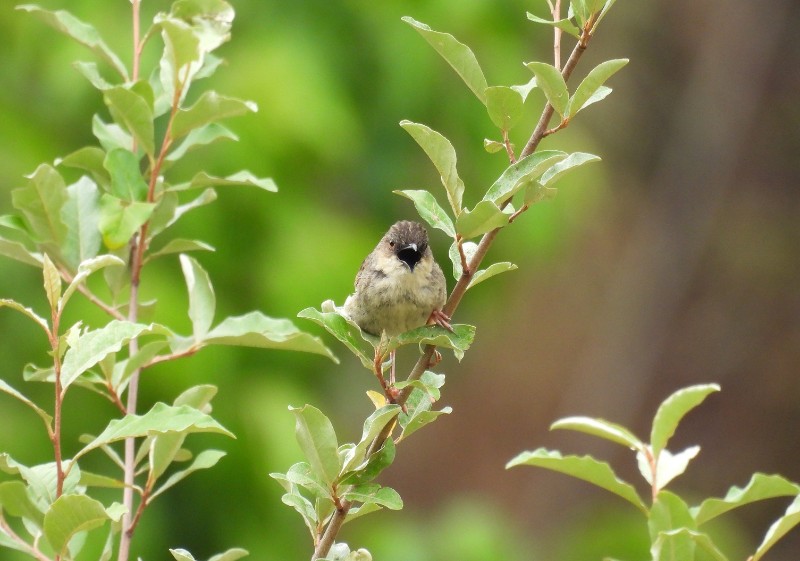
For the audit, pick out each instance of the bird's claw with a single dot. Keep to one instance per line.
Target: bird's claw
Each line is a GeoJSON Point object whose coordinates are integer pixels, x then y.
{"type": "Point", "coordinates": [438, 317]}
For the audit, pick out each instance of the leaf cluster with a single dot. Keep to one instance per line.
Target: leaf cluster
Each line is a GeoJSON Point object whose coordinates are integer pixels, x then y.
{"type": "Point", "coordinates": [675, 528]}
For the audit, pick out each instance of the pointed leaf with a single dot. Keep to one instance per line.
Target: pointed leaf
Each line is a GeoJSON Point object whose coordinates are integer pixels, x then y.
{"type": "Point", "coordinates": [603, 429]}
{"type": "Point", "coordinates": [179, 246]}
{"type": "Point", "coordinates": [550, 81]}
{"type": "Point", "coordinates": [673, 409]}
{"type": "Point", "coordinates": [469, 249]}
{"type": "Point", "coordinates": [120, 220]}
{"type": "Point", "coordinates": [69, 515]}
{"type": "Point", "coordinates": [111, 135]}
{"type": "Point", "coordinates": [126, 179]}
{"type": "Point", "coordinates": [443, 156]}
{"type": "Point", "coordinates": [80, 31]}
{"type": "Point", "coordinates": [485, 217]}
{"type": "Point", "coordinates": [668, 466]}
{"type": "Point", "coordinates": [209, 108]}
{"type": "Point", "coordinates": [257, 330]}
{"type": "Point", "coordinates": [504, 105]}
{"type": "Point", "coordinates": [90, 71]}
{"type": "Point", "coordinates": [570, 162]}
{"type": "Point", "coordinates": [93, 346]}
{"type": "Point", "coordinates": [131, 111]}
{"type": "Point", "coordinates": [317, 439]}
{"type": "Point", "coordinates": [86, 268]}
{"type": "Point", "coordinates": [593, 81]}
{"type": "Point", "coordinates": [457, 340]}
{"type": "Point", "coordinates": [204, 460]}
{"type": "Point", "coordinates": [244, 178]}
{"type": "Point", "coordinates": [4, 302]}
{"type": "Point", "coordinates": [759, 487]}
{"type": "Point", "coordinates": [202, 301]}
{"type": "Point", "coordinates": [420, 417]}
{"type": "Point", "coordinates": [88, 158]}
{"type": "Point", "coordinates": [457, 55]}
{"type": "Point", "coordinates": [490, 271]}
{"type": "Point", "coordinates": [201, 136]}
{"type": "Point", "coordinates": [516, 175]}
{"type": "Point", "coordinates": [4, 387]}
{"type": "Point", "coordinates": [19, 252]}
{"type": "Point", "coordinates": [343, 328]}
{"type": "Point", "coordinates": [669, 513]}
{"type": "Point", "coordinates": [563, 24]}
{"type": "Point", "coordinates": [232, 554]}
{"type": "Point", "coordinates": [779, 528]}
{"type": "Point", "coordinates": [666, 539]}
{"type": "Point", "coordinates": [40, 202]}
{"type": "Point", "coordinates": [81, 216]}
{"type": "Point", "coordinates": [370, 493]}
{"type": "Point", "coordinates": [581, 467]}
{"type": "Point", "coordinates": [52, 282]}
{"type": "Point", "coordinates": [15, 501]}
{"type": "Point", "coordinates": [429, 210]}
{"type": "Point", "coordinates": [373, 426]}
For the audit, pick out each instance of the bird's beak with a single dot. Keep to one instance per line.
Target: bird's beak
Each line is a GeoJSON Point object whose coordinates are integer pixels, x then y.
{"type": "Point", "coordinates": [409, 255]}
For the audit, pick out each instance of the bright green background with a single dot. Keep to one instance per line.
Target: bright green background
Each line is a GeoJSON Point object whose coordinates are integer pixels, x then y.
{"type": "Point", "coordinates": [674, 261]}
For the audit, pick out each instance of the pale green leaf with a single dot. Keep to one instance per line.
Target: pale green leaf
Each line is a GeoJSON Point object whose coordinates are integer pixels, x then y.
{"type": "Point", "coordinates": [664, 548]}
{"type": "Point", "coordinates": [563, 24]}
{"type": "Point", "coordinates": [132, 112]}
{"type": "Point", "coordinates": [429, 210]}
{"type": "Point", "coordinates": [4, 387]}
{"type": "Point", "coordinates": [317, 439]}
{"type": "Point", "coordinates": [204, 460]}
{"type": "Point", "coordinates": [81, 216]}
{"type": "Point", "coordinates": [86, 268]}
{"type": "Point", "coordinates": [181, 555]}
{"type": "Point", "coordinates": [457, 55]}
{"type": "Point", "coordinates": [515, 176]}
{"type": "Point", "coordinates": [40, 202]}
{"type": "Point", "coordinates": [469, 249]}
{"type": "Point", "coordinates": [485, 217]}
{"type": "Point", "coordinates": [525, 89]}
{"type": "Point", "coordinates": [111, 135]}
{"type": "Point", "coordinates": [668, 465]}
{"type": "Point", "coordinates": [5, 302]}
{"type": "Point", "coordinates": [19, 252]}
{"type": "Point", "coordinates": [232, 554]}
{"type": "Point", "coordinates": [457, 340]}
{"type": "Point", "coordinates": [759, 488]}
{"type": "Point", "coordinates": [90, 71]}
{"type": "Point", "coordinates": [126, 178]}
{"type": "Point", "coordinates": [179, 245]}
{"type": "Point", "coordinates": [202, 302]}
{"type": "Point", "coordinates": [550, 81]}
{"type": "Point", "coordinates": [201, 136]}
{"type": "Point", "coordinates": [490, 271]}
{"type": "Point", "coordinates": [668, 513]}
{"type": "Point", "coordinates": [581, 467]}
{"type": "Point", "coordinates": [373, 426]}
{"type": "Point", "coordinates": [593, 81]}
{"type": "Point", "coordinates": [493, 146]}
{"type": "Point", "coordinates": [504, 105]}
{"type": "Point", "coordinates": [209, 108]}
{"type": "Point", "coordinates": [244, 177]}
{"type": "Point", "coordinates": [778, 529]}
{"type": "Point", "coordinates": [80, 31]}
{"type": "Point", "coordinates": [371, 493]}
{"type": "Point", "coordinates": [15, 501]}
{"type": "Point", "coordinates": [601, 428]}
{"type": "Point", "coordinates": [443, 155]}
{"type": "Point", "coordinates": [420, 416]}
{"type": "Point", "coordinates": [69, 515]}
{"type": "Point", "coordinates": [673, 409]}
{"type": "Point", "coordinates": [343, 328]}
{"type": "Point", "coordinates": [52, 282]}
{"type": "Point", "coordinates": [572, 161]}
{"type": "Point", "coordinates": [257, 330]}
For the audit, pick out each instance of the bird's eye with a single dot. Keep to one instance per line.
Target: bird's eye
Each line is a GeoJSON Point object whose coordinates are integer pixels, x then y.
{"type": "Point", "coordinates": [391, 243]}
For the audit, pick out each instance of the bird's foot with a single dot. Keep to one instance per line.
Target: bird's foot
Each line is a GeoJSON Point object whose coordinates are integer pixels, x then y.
{"type": "Point", "coordinates": [438, 317]}
{"type": "Point", "coordinates": [436, 358]}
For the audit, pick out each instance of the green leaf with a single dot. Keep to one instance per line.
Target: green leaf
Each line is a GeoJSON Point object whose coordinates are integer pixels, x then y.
{"type": "Point", "coordinates": [40, 202]}
{"type": "Point", "coordinates": [593, 81]}
{"type": "Point", "coordinates": [111, 135]}
{"type": "Point", "coordinates": [429, 384]}
{"type": "Point", "coordinates": [182, 54]}
{"type": "Point", "coordinates": [317, 439]}
{"type": "Point", "coordinates": [160, 419]}
{"type": "Point", "coordinates": [86, 268]}
{"type": "Point", "coordinates": [490, 271]}
{"type": "Point", "coordinates": [574, 160]}
{"type": "Point", "coordinates": [257, 330]}
{"type": "Point", "coordinates": [126, 179]}
{"type": "Point", "coordinates": [341, 327]}
{"type": "Point", "coordinates": [5, 302]}
{"type": "Point", "coordinates": [525, 89]}
{"type": "Point", "coordinates": [601, 428]}
{"type": "Point", "coordinates": [493, 146]}
{"type": "Point", "coordinates": [206, 197]}
{"type": "Point", "coordinates": [759, 487]}
{"type": "Point", "coordinates": [15, 501]}
{"type": "Point", "coordinates": [82, 32]}
{"type": "Point", "coordinates": [668, 466]}
{"type": "Point", "coordinates": [375, 464]}
{"type": "Point", "coordinates": [69, 515]}
{"type": "Point", "coordinates": [457, 340]}
{"type": "Point", "coordinates": [95, 480]}
{"type": "Point", "coordinates": [48, 420]}
{"type": "Point", "coordinates": [90, 71]}
{"type": "Point", "coordinates": [373, 426]}
{"type": "Point", "coordinates": [201, 136]}
{"type": "Point", "coordinates": [202, 301]}
{"type": "Point", "coordinates": [457, 55]}
{"type": "Point", "coordinates": [181, 555]}
{"type": "Point", "coordinates": [179, 245]}
{"type": "Point", "coordinates": [516, 175]}
{"type": "Point", "coordinates": [504, 105]}
{"type": "Point", "coordinates": [673, 409]}
{"type": "Point", "coordinates": [301, 474]}
{"type": "Point", "coordinates": [245, 178]}
{"type": "Point", "coordinates": [120, 220]}
{"type": "Point", "coordinates": [81, 215]}
{"type": "Point", "coordinates": [371, 493]}
{"type": "Point", "coordinates": [665, 548]}
{"type": "Point", "coordinates": [669, 513]}
{"type": "Point", "coordinates": [485, 217]}
{"type": "Point", "coordinates": [132, 112]}
{"type": "Point", "coordinates": [429, 210]}
{"type": "Point", "coordinates": [204, 460]}
{"type": "Point", "coordinates": [550, 81]}
{"type": "Point", "coordinates": [52, 282]}
{"type": "Point", "coordinates": [469, 249]}
{"type": "Point", "coordinates": [93, 346]}
{"type": "Point", "coordinates": [209, 108]}
{"type": "Point", "coordinates": [778, 529]}
{"type": "Point", "coordinates": [231, 555]}
{"type": "Point", "coordinates": [443, 156]}
{"type": "Point", "coordinates": [420, 415]}
{"type": "Point", "coordinates": [563, 24]}
{"type": "Point", "coordinates": [16, 250]}
{"type": "Point", "coordinates": [581, 467]}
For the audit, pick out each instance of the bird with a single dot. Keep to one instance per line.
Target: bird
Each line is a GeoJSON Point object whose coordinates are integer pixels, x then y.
{"type": "Point", "coordinates": [399, 286]}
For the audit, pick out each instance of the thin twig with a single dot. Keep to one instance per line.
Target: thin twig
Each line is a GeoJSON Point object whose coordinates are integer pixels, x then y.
{"type": "Point", "coordinates": [31, 550]}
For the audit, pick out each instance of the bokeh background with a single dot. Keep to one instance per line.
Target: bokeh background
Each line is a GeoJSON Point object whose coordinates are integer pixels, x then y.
{"type": "Point", "coordinates": [674, 261]}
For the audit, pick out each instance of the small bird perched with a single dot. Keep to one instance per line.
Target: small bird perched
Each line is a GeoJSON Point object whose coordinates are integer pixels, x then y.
{"type": "Point", "coordinates": [399, 285]}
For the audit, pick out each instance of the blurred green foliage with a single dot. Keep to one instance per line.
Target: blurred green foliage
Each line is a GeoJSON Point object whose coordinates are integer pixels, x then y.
{"type": "Point", "coordinates": [332, 80]}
